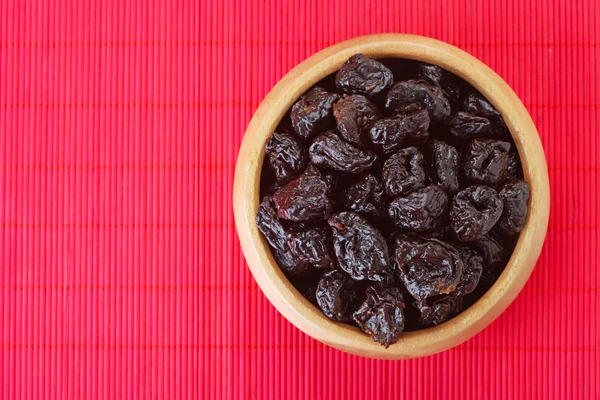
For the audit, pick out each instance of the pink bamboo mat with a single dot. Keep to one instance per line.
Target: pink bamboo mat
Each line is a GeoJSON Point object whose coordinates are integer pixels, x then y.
{"type": "Point", "coordinates": [121, 275]}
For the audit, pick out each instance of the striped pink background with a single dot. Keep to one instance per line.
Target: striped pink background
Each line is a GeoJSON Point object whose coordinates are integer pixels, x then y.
{"type": "Point", "coordinates": [120, 271]}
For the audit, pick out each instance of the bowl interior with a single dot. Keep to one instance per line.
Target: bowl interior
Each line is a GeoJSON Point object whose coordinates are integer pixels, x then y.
{"type": "Point", "coordinates": [281, 292]}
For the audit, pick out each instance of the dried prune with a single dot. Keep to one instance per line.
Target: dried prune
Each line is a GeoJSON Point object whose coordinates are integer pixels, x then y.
{"type": "Point", "coordinates": [514, 165]}
{"type": "Point", "coordinates": [419, 211]}
{"type": "Point", "coordinates": [515, 195]}
{"type": "Point", "coordinates": [443, 165]}
{"type": "Point", "coordinates": [354, 116]}
{"type": "Point", "coordinates": [473, 267]}
{"type": "Point", "coordinates": [365, 196]}
{"type": "Point", "coordinates": [312, 246]}
{"type": "Point", "coordinates": [313, 113]}
{"type": "Point", "coordinates": [404, 172]}
{"type": "Point", "coordinates": [439, 309]}
{"type": "Point", "coordinates": [362, 75]}
{"type": "Point", "coordinates": [337, 296]}
{"type": "Point", "coordinates": [360, 249]}
{"type": "Point", "coordinates": [286, 156]}
{"type": "Point", "coordinates": [477, 105]}
{"type": "Point", "coordinates": [382, 315]}
{"type": "Point", "coordinates": [304, 199]}
{"type": "Point", "coordinates": [408, 96]}
{"type": "Point", "coordinates": [289, 262]}
{"type": "Point", "coordinates": [428, 267]}
{"type": "Point", "coordinates": [474, 212]}
{"type": "Point", "coordinates": [389, 134]}
{"type": "Point", "coordinates": [307, 284]}
{"type": "Point", "coordinates": [436, 76]}
{"type": "Point", "coordinates": [466, 126]}
{"type": "Point", "coordinates": [491, 248]}
{"type": "Point", "coordinates": [486, 161]}
{"type": "Point", "coordinates": [269, 225]}
{"type": "Point", "coordinates": [331, 152]}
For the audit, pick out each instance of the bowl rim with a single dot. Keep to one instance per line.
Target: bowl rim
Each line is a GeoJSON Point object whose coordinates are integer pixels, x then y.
{"type": "Point", "coordinates": [280, 292]}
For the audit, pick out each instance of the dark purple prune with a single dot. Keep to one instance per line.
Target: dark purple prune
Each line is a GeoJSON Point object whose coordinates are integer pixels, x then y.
{"type": "Point", "coordinates": [443, 165]}
{"type": "Point", "coordinates": [515, 195]}
{"type": "Point", "coordinates": [304, 199]}
{"type": "Point", "coordinates": [307, 284]}
{"type": "Point", "coordinates": [362, 75]}
{"type": "Point", "coordinates": [428, 267]}
{"type": "Point", "coordinates": [329, 151]}
{"type": "Point", "coordinates": [365, 196]}
{"type": "Point", "coordinates": [286, 156]}
{"type": "Point", "coordinates": [289, 263]}
{"type": "Point", "coordinates": [514, 170]}
{"type": "Point", "coordinates": [360, 249]}
{"type": "Point", "coordinates": [382, 315]}
{"type": "Point", "coordinates": [389, 134]}
{"type": "Point", "coordinates": [419, 211]}
{"type": "Point", "coordinates": [491, 249]}
{"type": "Point", "coordinates": [337, 296]}
{"type": "Point", "coordinates": [408, 96]}
{"type": "Point", "coordinates": [477, 105]}
{"type": "Point", "coordinates": [354, 116]}
{"type": "Point", "coordinates": [439, 309]}
{"type": "Point", "coordinates": [486, 161]}
{"type": "Point", "coordinates": [268, 224]}
{"type": "Point", "coordinates": [313, 113]}
{"type": "Point", "coordinates": [465, 126]}
{"type": "Point", "coordinates": [436, 76]}
{"type": "Point", "coordinates": [473, 267]}
{"type": "Point", "coordinates": [404, 172]}
{"type": "Point", "coordinates": [330, 179]}
{"type": "Point", "coordinates": [474, 212]}
{"type": "Point", "coordinates": [313, 246]}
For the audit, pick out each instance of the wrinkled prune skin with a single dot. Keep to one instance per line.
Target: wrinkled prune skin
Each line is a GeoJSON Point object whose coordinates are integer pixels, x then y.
{"type": "Point", "coordinates": [382, 315]}
{"type": "Point", "coordinates": [465, 126]}
{"type": "Point", "coordinates": [491, 249]}
{"type": "Point", "coordinates": [404, 172]}
{"type": "Point", "coordinates": [436, 76]}
{"type": "Point", "coordinates": [473, 267]}
{"type": "Point", "coordinates": [329, 151]}
{"type": "Point", "coordinates": [419, 211]}
{"type": "Point", "coordinates": [269, 225]}
{"type": "Point", "coordinates": [477, 105]}
{"type": "Point", "coordinates": [514, 165]}
{"type": "Point", "coordinates": [474, 212]}
{"type": "Point", "coordinates": [313, 246]}
{"type": "Point", "coordinates": [362, 75]}
{"type": "Point", "coordinates": [485, 161]}
{"type": "Point", "coordinates": [289, 263]}
{"type": "Point", "coordinates": [428, 267]}
{"type": "Point", "coordinates": [313, 113]}
{"type": "Point", "coordinates": [443, 165]}
{"type": "Point", "coordinates": [354, 116]}
{"type": "Point", "coordinates": [304, 199]}
{"type": "Point", "coordinates": [360, 249]}
{"type": "Point", "coordinates": [439, 310]}
{"type": "Point", "coordinates": [515, 195]}
{"type": "Point", "coordinates": [286, 157]}
{"type": "Point", "coordinates": [337, 296]}
{"type": "Point", "coordinates": [389, 134]}
{"type": "Point", "coordinates": [365, 196]}
{"type": "Point", "coordinates": [408, 96]}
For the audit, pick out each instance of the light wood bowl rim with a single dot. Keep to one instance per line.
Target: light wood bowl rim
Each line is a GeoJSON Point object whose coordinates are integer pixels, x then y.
{"type": "Point", "coordinates": [289, 302]}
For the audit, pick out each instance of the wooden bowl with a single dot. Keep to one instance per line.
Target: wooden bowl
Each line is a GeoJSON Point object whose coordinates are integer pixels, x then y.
{"type": "Point", "coordinates": [280, 291]}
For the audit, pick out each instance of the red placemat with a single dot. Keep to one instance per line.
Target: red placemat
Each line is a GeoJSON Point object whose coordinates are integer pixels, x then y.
{"type": "Point", "coordinates": [121, 275]}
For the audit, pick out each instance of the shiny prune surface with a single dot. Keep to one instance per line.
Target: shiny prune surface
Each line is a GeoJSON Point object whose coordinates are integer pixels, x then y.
{"type": "Point", "coordinates": [392, 206]}
{"type": "Point", "coordinates": [313, 113]}
{"type": "Point", "coordinates": [286, 156]}
{"type": "Point", "coordinates": [408, 96]}
{"type": "Point", "coordinates": [329, 151]}
{"type": "Point", "coordinates": [364, 76]}
{"type": "Point", "coordinates": [419, 211]}
{"type": "Point", "coordinates": [428, 267]}
{"type": "Point", "coordinates": [389, 134]}
{"type": "Point", "coordinates": [485, 161]}
{"type": "Point", "coordinates": [337, 295]}
{"type": "Point", "coordinates": [381, 315]}
{"type": "Point", "coordinates": [404, 172]}
{"type": "Point", "coordinates": [354, 116]}
{"type": "Point", "coordinates": [515, 195]}
{"type": "Point", "coordinates": [361, 250]}
{"type": "Point", "coordinates": [474, 212]}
